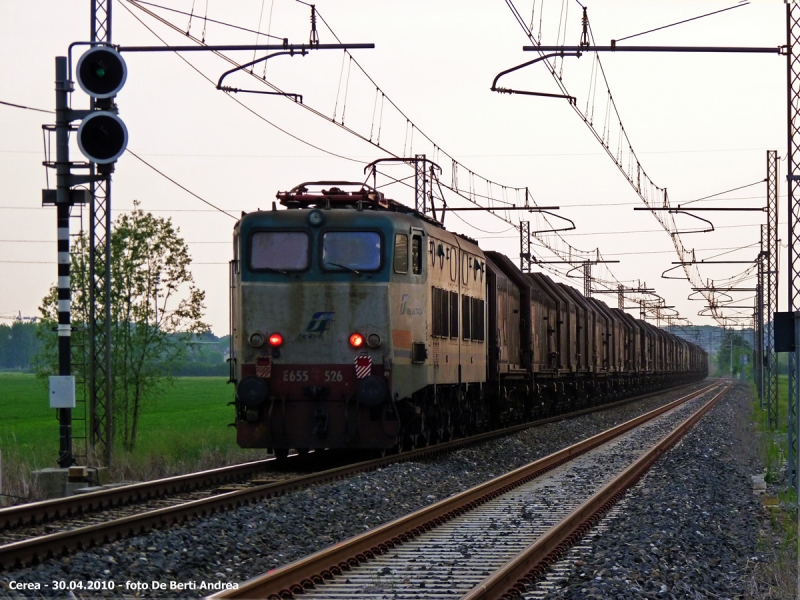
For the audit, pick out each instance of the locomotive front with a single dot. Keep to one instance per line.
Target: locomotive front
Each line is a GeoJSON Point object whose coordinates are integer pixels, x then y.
{"type": "Point", "coordinates": [310, 315]}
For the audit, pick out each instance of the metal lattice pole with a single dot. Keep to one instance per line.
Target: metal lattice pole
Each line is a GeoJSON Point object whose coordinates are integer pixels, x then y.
{"type": "Point", "coordinates": [620, 297]}
{"type": "Point", "coordinates": [420, 180]}
{"type": "Point", "coordinates": [758, 343]}
{"type": "Point", "coordinates": [525, 246]}
{"type": "Point", "coordinates": [793, 214]}
{"type": "Point", "coordinates": [758, 323]}
{"type": "Point", "coordinates": [587, 279]}
{"type": "Point", "coordinates": [100, 389]}
{"type": "Point", "coordinates": [771, 290]}
{"type": "Point", "coordinates": [793, 266]}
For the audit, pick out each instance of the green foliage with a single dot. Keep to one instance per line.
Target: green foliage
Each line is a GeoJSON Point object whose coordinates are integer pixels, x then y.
{"type": "Point", "coordinates": [206, 357]}
{"type": "Point", "coordinates": [18, 345]}
{"type": "Point", "coordinates": [773, 441]}
{"type": "Point", "coordinates": [155, 312]}
{"type": "Point", "coordinates": [734, 346]}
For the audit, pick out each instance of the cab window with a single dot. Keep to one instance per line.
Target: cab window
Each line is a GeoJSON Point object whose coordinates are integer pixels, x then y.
{"type": "Point", "coordinates": [416, 254]}
{"type": "Point", "coordinates": [400, 253]}
{"type": "Point", "coordinates": [351, 251]}
{"type": "Point", "coordinates": [281, 250]}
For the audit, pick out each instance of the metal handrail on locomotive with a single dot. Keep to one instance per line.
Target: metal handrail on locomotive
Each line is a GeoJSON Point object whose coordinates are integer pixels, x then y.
{"type": "Point", "coordinates": [358, 322]}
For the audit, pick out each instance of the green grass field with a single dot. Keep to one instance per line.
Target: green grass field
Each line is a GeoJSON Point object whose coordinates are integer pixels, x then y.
{"type": "Point", "coordinates": [775, 445]}
{"type": "Point", "coordinates": [28, 427]}
{"type": "Point", "coordinates": [185, 428]}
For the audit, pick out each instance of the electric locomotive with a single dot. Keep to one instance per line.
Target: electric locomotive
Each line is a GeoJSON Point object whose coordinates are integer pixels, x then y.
{"type": "Point", "coordinates": [330, 341]}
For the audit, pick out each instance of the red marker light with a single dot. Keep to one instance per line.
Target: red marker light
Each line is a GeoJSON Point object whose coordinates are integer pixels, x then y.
{"type": "Point", "coordinates": [356, 340]}
{"type": "Point", "coordinates": [275, 340]}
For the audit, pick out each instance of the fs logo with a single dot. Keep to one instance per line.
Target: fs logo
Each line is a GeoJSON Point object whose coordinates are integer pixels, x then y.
{"type": "Point", "coordinates": [405, 309]}
{"type": "Point", "coordinates": [320, 322]}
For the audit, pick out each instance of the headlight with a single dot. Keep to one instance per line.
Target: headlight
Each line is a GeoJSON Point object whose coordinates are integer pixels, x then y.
{"type": "Point", "coordinates": [373, 340]}
{"type": "Point", "coordinates": [315, 218]}
{"type": "Point", "coordinates": [257, 339]}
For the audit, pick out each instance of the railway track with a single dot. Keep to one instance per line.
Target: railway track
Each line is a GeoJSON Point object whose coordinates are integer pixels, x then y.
{"type": "Point", "coordinates": [495, 539]}
{"type": "Point", "coordinates": [33, 532]}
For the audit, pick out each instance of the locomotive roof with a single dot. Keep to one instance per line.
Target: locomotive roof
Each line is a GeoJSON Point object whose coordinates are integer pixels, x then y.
{"type": "Point", "coordinates": [363, 196]}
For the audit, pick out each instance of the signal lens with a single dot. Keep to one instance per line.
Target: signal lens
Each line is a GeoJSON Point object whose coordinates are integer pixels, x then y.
{"type": "Point", "coordinates": [275, 340]}
{"type": "Point", "coordinates": [356, 340]}
{"type": "Point", "coordinates": [101, 72]}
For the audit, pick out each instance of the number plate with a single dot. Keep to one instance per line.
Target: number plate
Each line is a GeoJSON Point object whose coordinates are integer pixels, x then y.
{"type": "Point", "coordinates": [341, 380]}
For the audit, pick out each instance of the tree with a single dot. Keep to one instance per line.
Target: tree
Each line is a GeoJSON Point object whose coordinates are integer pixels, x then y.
{"type": "Point", "coordinates": [18, 345]}
{"type": "Point", "coordinates": [155, 310]}
{"type": "Point", "coordinates": [732, 347]}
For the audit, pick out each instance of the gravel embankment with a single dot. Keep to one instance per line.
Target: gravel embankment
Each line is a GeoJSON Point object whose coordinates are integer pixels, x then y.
{"type": "Point", "coordinates": [240, 544]}
{"type": "Point", "coordinates": [690, 528]}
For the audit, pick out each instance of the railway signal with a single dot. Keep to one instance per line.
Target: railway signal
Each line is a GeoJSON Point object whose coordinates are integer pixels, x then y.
{"type": "Point", "coordinates": [102, 138]}
{"type": "Point", "coordinates": [102, 135]}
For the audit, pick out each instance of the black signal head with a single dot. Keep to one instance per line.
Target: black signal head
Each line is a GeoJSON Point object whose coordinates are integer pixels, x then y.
{"type": "Point", "coordinates": [101, 72]}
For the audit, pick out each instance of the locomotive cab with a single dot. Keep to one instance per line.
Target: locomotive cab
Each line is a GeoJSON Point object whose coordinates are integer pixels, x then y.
{"type": "Point", "coordinates": [314, 345]}
{"type": "Point", "coordinates": [358, 322]}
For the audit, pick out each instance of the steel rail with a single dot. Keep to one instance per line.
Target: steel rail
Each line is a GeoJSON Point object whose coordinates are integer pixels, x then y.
{"type": "Point", "coordinates": [45, 510]}
{"type": "Point", "coordinates": [513, 578]}
{"type": "Point", "coordinates": [293, 578]}
{"type": "Point", "coordinates": [57, 508]}
{"type": "Point", "coordinates": [33, 550]}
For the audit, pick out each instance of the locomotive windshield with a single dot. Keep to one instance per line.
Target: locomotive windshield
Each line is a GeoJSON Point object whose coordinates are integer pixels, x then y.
{"type": "Point", "coordinates": [351, 251]}
{"type": "Point", "coordinates": [279, 251]}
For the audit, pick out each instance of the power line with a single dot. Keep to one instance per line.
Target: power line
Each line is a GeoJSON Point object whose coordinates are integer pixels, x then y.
{"type": "Point", "coordinates": [760, 181]}
{"type": "Point", "coordinates": [634, 173]}
{"type": "Point", "coordinates": [548, 155]}
{"type": "Point", "coordinates": [716, 12]}
{"type": "Point", "coordinates": [468, 194]}
{"type": "Point", "coordinates": [732, 249]}
{"type": "Point", "coordinates": [203, 75]}
{"type": "Point", "coordinates": [132, 153]}
{"type": "Point", "coordinates": [631, 232]}
{"type": "Point", "coordinates": [26, 107]}
{"type": "Point", "coordinates": [185, 189]}
{"type": "Point", "coordinates": [180, 12]}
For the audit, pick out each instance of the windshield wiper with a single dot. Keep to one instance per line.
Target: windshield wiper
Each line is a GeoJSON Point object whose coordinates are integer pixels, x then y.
{"type": "Point", "coordinates": [342, 267]}
{"type": "Point", "coordinates": [274, 270]}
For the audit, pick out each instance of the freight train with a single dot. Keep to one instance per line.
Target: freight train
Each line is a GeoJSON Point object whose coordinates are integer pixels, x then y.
{"type": "Point", "coordinates": [358, 322]}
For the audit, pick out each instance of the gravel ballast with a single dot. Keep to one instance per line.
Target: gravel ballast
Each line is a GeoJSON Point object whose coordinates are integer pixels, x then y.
{"type": "Point", "coordinates": [237, 545]}
{"type": "Point", "coordinates": [689, 529]}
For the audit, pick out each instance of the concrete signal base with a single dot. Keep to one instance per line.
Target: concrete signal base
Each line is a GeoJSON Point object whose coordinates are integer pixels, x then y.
{"type": "Point", "coordinates": [57, 483]}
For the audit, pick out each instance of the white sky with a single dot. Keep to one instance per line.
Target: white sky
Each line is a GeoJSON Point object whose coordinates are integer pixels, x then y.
{"type": "Point", "coordinates": [700, 124]}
